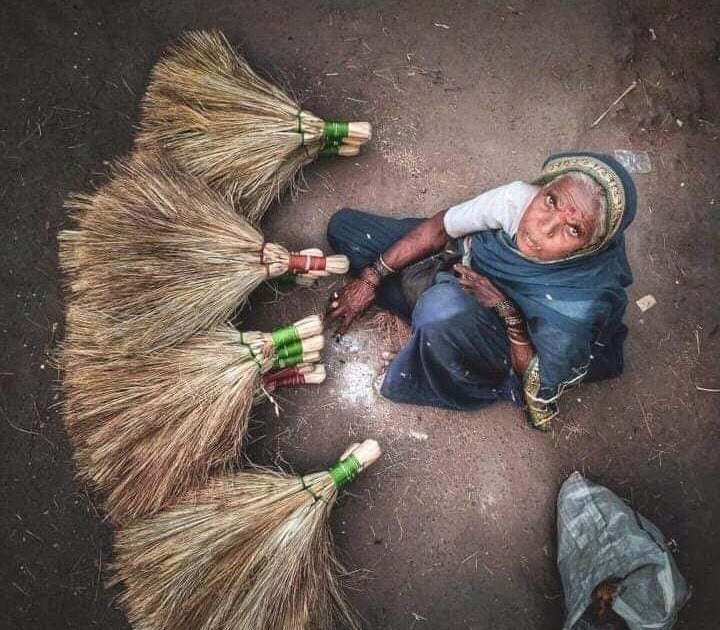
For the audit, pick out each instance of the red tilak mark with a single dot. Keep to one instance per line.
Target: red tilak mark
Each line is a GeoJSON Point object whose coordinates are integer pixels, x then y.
{"type": "Point", "coordinates": [301, 262]}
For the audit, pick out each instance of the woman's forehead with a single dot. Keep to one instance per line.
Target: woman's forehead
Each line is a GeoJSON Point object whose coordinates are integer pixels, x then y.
{"type": "Point", "coordinates": [572, 196]}
{"type": "Point", "coordinates": [570, 191]}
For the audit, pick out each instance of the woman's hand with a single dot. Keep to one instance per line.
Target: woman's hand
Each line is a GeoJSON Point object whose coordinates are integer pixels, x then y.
{"type": "Point", "coordinates": [478, 286]}
{"type": "Point", "coordinates": [521, 351]}
{"type": "Point", "coordinates": [352, 300]}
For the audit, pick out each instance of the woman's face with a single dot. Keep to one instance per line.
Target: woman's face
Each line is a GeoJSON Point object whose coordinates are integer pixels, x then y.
{"type": "Point", "coordinates": [560, 220]}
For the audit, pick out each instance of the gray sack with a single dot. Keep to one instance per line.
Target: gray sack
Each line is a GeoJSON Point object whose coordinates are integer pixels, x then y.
{"type": "Point", "coordinates": [600, 538]}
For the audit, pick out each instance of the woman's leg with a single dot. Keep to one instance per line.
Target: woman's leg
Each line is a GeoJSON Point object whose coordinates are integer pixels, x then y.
{"type": "Point", "coordinates": [362, 237]}
{"type": "Point", "coordinates": [457, 356]}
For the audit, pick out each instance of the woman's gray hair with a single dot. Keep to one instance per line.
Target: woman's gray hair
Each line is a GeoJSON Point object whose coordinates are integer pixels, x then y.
{"type": "Point", "coordinates": [599, 203]}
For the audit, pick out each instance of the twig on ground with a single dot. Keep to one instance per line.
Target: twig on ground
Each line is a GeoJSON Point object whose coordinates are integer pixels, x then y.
{"type": "Point", "coordinates": [627, 91]}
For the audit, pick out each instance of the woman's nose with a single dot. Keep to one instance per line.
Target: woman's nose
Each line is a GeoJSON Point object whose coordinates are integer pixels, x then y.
{"type": "Point", "coordinates": [552, 224]}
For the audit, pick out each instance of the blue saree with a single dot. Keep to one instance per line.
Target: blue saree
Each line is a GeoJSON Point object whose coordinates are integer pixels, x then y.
{"type": "Point", "coordinates": [458, 354]}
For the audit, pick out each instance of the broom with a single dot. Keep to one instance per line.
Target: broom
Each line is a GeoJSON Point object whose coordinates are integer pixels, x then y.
{"type": "Point", "coordinates": [243, 135]}
{"type": "Point", "coordinates": [157, 256]}
{"type": "Point", "coordinates": [146, 428]}
{"type": "Point", "coordinates": [250, 551]}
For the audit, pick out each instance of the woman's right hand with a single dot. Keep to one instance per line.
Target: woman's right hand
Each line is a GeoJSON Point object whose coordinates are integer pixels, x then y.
{"type": "Point", "coordinates": [352, 300]}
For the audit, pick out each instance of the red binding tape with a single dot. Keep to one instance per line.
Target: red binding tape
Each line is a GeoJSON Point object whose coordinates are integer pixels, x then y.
{"type": "Point", "coordinates": [274, 377]}
{"type": "Point", "coordinates": [303, 263]}
{"type": "Point", "coordinates": [291, 380]}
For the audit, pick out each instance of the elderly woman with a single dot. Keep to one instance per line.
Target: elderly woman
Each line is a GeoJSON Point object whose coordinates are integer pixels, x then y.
{"type": "Point", "coordinates": [535, 306]}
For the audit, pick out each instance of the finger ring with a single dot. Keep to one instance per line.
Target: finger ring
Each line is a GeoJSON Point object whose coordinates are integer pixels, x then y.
{"type": "Point", "coordinates": [335, 295]}
{"type": "Point", "coordinates": [335, 305]}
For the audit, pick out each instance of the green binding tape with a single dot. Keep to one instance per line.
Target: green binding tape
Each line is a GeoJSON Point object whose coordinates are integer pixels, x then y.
{"type": "Point", "coordinates": [285, 335]}
{"type": "Point", "coordinates": [288, 362]}
{"type": "Point", "coordinates": [345, 471]}
{"type": "Point", "coordinates": [289, 350]}
{"type": "Point", "coordinates": [329, 150]}
{"type": "Point", "coordinates": [336, 130]}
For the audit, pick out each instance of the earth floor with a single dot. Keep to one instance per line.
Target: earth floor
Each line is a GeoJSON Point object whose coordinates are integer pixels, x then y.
{"type": "Point", "coordinates": [455, 527]}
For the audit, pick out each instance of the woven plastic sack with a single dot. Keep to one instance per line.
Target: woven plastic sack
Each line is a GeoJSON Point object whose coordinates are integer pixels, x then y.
{"type": "Point", "coordinates": [601, 539]}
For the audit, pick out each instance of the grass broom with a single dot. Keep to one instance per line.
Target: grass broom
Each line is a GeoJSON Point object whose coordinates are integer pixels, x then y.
{"type": "Point", "coordinates": [243, 135]}
{"type": "Point", "coordinates": [157, 256]}
{"type": "Point", "coordinates": [250, 551]}
{"type": "Point", "coordinates": [147, 428]}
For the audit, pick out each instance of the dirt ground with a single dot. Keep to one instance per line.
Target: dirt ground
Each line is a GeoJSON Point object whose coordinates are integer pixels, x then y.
{"type": "Point", "coordinates": [455, 527]}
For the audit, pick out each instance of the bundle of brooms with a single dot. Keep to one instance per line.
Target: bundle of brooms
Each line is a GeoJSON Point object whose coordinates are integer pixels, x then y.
{"type": "Point", "coordinates": [243, 135]}
{"type": "Point", "coordinates": [250, 551]}
{"type": "Point", "coordinates": [148, 428]}
{"type": "Point", "coordinates": [156, 255]}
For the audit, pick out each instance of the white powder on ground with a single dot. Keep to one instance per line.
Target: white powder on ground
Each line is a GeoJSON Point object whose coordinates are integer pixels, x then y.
{"type": "Point", "coordinates": [352, 364]}
{"type": "Point", "coordinates": [355, 372]}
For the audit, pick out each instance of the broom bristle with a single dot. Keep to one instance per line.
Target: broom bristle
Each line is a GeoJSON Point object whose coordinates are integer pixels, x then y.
{"type": "Point", "coordinates": [160, 255]}
{"type": "Point", "coordinates": [218, 118]}
{"type": "Point", "coordinates": [148, 428]}
{"type": "Point", "coordinates": [225, 123]}
{"type": "Point", "coordinates": [249, 551]}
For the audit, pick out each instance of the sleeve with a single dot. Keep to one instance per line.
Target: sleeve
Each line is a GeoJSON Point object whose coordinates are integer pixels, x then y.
{"type": "Point", "coordinates": [497, 209]}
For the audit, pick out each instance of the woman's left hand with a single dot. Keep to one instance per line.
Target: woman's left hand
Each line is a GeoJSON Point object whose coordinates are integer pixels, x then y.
{"type": "Point", "coordinates": [478, 286]}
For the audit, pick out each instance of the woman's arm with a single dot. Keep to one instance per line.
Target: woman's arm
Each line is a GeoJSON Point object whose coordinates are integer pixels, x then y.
{"type": "Point", "coordinates": [429, 237]}
{"type": "Point", "coordinates": [521, 348]}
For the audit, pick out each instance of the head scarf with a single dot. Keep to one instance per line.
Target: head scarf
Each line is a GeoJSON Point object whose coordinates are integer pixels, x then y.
{"type": "Point", "coordinates": [573, 306]}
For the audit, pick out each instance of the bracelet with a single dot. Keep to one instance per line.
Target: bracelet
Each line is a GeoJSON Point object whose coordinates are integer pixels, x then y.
{"type": "Point", "coordinates": [381, 269]}
{"type": "Point", "coordinates": [372, 285]}
{"type": "Point", "coordinates": [513, 320]}
{"type": "Point", "coordinates": [384, 264]}
{"type": "Point", "coordinates": [505, 308]}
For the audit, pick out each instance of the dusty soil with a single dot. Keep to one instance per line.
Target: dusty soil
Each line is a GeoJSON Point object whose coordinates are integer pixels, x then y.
{"type": "Point", "coordinates": [456, 526]}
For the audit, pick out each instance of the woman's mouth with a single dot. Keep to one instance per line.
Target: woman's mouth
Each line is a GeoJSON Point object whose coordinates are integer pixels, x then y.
{"type": "Point", "coordinates": [531, 242]}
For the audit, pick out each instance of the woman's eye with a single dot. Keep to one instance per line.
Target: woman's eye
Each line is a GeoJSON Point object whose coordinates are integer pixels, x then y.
{"type": "Point", "coordinates": [574, 232]}
{"type": "Point", "coordinates": [550, 201]}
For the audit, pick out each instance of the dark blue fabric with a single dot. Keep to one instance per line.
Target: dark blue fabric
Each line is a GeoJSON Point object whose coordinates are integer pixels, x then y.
{"type": "Point", "coordinates": [457, 356]}
{"type": "Point", "coordinates": [573, 308]}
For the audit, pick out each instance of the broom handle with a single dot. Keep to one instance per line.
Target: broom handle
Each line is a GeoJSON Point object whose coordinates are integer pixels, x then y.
{"type": "Point", "coordinates": [367, 453]}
